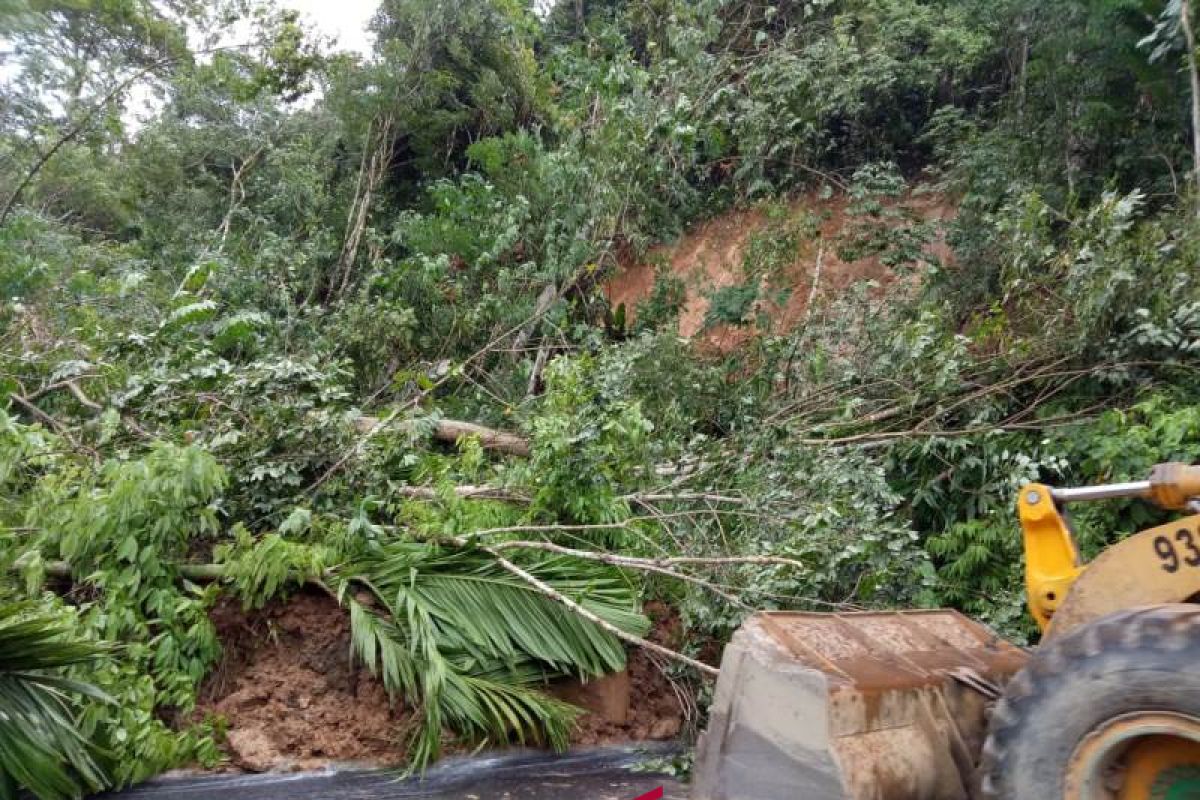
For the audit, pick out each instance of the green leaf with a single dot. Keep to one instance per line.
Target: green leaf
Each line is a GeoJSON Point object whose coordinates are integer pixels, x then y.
{"type": "Point", "coordinates": [41, 746]}
{"type": "Point", "coordinates": [128, 550]}
{"type": "Point", "coordinates": [190, 314]}
{"type": "Point", "coordinates": [197, 276]}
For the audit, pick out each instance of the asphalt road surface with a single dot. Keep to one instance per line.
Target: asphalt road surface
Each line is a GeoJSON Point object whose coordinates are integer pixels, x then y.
{"type": "Point", "coordinates": [603, 774]}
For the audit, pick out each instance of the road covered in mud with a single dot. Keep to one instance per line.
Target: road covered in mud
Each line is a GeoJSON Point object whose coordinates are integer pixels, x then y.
{"type": "Point", "coordinates": [604, 774]}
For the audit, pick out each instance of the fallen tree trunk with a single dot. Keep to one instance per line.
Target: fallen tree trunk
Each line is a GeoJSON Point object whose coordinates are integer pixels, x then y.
{"type": "Point", "coordinates": [451, 430]}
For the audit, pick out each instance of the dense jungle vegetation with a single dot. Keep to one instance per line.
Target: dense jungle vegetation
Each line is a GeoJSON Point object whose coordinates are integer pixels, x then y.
{"type": "Point", "coordinates": [241, 330]}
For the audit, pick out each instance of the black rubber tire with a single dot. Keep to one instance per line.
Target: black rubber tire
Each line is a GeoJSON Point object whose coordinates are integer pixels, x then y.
{"type": "Point", "coordinates": [1144, 659]}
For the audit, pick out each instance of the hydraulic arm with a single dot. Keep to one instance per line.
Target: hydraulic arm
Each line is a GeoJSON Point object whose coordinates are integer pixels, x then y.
{"type": "Point", "coordinates": [1052, 563]}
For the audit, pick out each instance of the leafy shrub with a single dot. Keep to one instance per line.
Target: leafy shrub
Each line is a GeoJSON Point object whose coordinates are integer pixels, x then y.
{"type": "Point", "coordinates": [124, 528]}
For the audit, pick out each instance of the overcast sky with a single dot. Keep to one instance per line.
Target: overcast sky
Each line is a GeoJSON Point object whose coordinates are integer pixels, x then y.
{"type": "Point", "coordinates": [346, 20]}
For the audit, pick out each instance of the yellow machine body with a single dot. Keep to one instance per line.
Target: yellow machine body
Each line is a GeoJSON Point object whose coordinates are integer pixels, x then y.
{"type": "Point", "coordinates": [1156, 566]}
{"type": "Point", "coordinates": [893, 706]}
{"type": "Point", "coordinates": [1052, 561]}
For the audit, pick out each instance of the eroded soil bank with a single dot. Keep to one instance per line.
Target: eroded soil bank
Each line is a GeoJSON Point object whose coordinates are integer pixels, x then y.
{"type": "Point", "coordinates": [293, 700]}
{"type": "Point", "coordinates": [713, 255]}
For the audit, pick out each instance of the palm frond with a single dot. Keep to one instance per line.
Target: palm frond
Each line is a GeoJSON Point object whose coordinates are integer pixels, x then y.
{"type": "Point", "coordinates": [380, 645]}
{"type": "Point", "coordinates": [471, 645]}
{"type": "Point", "coordinates": [486, 708]}
{"type": "Point", "coordinates": [32, 640]}
{"type": "Point", "coordinates": [480, 703]}
{"type": "Point", "coordinates": [41, 748]}
{"type": "Point", "coordinates": [479, 608]}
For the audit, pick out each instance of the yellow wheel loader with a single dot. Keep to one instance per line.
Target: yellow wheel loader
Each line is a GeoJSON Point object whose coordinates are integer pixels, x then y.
{"type": "Point", "coordinates": [929, 705]}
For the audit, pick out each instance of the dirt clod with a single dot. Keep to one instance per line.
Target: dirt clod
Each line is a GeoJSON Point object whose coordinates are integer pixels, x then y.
{"type": "Point", "coordinates": [252, 749]}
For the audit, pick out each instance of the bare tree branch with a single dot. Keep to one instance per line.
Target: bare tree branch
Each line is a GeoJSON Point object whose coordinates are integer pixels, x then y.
{"type": "Point", "coordinates": [237, 192]}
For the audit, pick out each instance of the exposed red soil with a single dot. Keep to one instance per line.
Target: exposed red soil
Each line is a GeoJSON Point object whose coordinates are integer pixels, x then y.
{"type": "Point", "coordinates": [292, 700]}
{"type": "Point", "coordinates": [710, 257]}
{"type": "Point", "coordinates": [290, 695]}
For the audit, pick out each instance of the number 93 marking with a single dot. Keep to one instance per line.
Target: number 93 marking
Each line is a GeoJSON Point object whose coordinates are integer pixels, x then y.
{"type": "Point", "coordinates": [1171, 556]}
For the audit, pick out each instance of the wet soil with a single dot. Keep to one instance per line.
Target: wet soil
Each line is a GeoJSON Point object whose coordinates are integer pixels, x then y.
{"type": "Point", "coordinates": [289, 693]}
{"type": "Point", "coordinates": [657, 707]}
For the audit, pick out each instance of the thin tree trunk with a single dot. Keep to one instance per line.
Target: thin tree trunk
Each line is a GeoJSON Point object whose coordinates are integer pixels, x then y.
{"type": "Point", "coordinates": [535, 375]}
{"type": "Point", "coordinates": [197, 573]}
{"type": "Point", "coordinates": [356, 219]}
{"type": "Point", "coordinates": [451, 430]}
{"type": "Point", "coordinates": [1185, 18]}
{"type": "Point", "coordinates": [237, 192]}
{"type": "Point", "coordinates": [82, 124]}
{"type": "Point", "coordinates": [816, 282]}
{"type": "Point", "coordinates": [369, 179]}
{"type": "Point", "coordinates": [79, 127]}
{"type": "Point", "coordinates": [546, 299]}
{"type": "Point", "coordinates": [1022, 77]}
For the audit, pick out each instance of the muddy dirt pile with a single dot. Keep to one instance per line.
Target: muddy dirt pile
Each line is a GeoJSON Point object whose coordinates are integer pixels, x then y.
{"type": "Point", "coordinates": [293, 700]}
{"type": "Point", "coordinates": [289, 693]}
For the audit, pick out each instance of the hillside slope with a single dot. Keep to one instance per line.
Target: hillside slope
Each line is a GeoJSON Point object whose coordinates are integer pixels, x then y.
{"type": "Point", "coordinates": [816, 233]}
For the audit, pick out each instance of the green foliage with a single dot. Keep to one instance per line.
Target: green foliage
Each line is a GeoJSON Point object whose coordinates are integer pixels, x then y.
{"type": "Point", "coordinates": [259, 571]}
{"type": "Point", "coordinates": [588, 440]}
{"type": "Point", "coordinates": [847, 81]}
{"type": "Point", "coordinates": [124, 527]}
{"type": "Point", "coordinates": [274, 420]}
{"type": "Point", "coordinates": [455, 73]}
{"type": "Point", "coordinates": [665, 302]}
{"type": "Point", "coordinates": [982, 558]}
{"type": "Point", "coordinates": [1124, 445]}
{"type": "Point", "coordinates": [885, 226]}
{"type": "Point", "coordinates": [732, 305]}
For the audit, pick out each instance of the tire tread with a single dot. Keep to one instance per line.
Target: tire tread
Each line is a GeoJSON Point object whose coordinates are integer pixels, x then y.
{"type": "Point", "coordinates": [1167, 629]}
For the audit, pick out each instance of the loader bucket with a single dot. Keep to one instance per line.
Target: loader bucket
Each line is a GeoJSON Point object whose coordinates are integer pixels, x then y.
{"type": "Point", "coordinates": [859, 706]}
